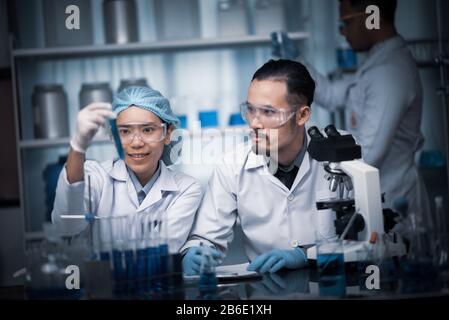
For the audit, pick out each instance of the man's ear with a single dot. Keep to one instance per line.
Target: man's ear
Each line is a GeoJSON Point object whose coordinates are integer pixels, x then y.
{"type": "Point", "coordinates": [302, 115]}
{"type": "Point", "coordinates": [168, 136]}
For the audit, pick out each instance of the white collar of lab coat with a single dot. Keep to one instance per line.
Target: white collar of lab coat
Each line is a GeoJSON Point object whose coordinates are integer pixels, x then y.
{"type": "Point", "coordinates": [165, 182]}
{"type": "Point", "coordinates": [255, 161]}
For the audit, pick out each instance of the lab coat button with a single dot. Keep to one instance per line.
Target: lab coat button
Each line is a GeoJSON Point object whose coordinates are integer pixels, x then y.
{"type": "Point", "coordinates": [294, 243]}
{"type": "Point", "coordinates": [290, 197]}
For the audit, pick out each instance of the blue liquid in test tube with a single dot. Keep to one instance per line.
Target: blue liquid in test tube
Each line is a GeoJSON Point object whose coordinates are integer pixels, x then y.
{"type": "Point", "coordinates": [105, 256]}
{"type": "Point", "coordinates": [163, 269]}
{"type": "Point", "coordinates": [119, 271]}
{"type": "Point", "coordinates": [141, 271]}
{"type": "Point", "coordinates": [163, 254]}
{"type": "Point", "coordinates": [152, 266]}
{"type": "Point", "coordinates": [130, 271]}
{"type": "Point", "coordinates": [175, 277]}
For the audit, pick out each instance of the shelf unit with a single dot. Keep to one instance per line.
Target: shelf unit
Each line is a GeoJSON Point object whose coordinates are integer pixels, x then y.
{"type": "Point", "coordinates": [160, 46]}
{"type": "Point", "coordinates": [29, 148]}
{"type": "Point", "coordinates": [430, 49]}
{"type": "Point", "coordinates": [129, 49]}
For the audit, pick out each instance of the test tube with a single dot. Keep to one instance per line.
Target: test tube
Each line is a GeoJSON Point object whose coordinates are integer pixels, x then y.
{"type": "Point", "coordinates": [163, 252]}
{"type": "Point", "coordinates": [141, 255]}
{"type": "Point", "coordinates": [130, 266]}
{"type": "Point", "coordinates": [115, 136]}
{"type": "Point", "coordinates": [103, 237]}
{"type": "Point", "coordinates": [120, 233]}
{"type": "Point", "coordinates": [152, 254]}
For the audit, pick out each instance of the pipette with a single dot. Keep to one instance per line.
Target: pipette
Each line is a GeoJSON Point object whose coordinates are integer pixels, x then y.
{"type": "Point", "coordinates": [90, 219]}
{"type": "Point", "coordinates": [116, 137]}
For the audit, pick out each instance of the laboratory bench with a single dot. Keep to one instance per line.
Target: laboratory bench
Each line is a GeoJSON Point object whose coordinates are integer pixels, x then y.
{"type": "Point", "coordinates": [305, 284]}
{"type": "Point", "coordinates": [301, 284]}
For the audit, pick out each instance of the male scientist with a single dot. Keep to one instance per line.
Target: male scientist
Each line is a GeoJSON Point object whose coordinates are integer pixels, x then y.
{"type": "Point", "coordinates": [383, 99]}
{"type": "Point", "coordinates": [276, 204]}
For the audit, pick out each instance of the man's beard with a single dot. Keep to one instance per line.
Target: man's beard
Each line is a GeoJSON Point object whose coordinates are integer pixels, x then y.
{"type": "Point", "coordinates": [269, 150]}
{"type": "Point", "coordinates": [266, 147]}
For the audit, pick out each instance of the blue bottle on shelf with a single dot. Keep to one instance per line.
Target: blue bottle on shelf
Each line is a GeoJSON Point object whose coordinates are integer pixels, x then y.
{"type": "Point", "coordinates": [209, 119]}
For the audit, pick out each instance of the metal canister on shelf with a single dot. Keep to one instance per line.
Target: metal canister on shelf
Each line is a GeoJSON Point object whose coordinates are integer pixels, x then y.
{"type": "Point", "coordinates": [96, 92]}
{"type": "Point", "coordinates": [124, 83]}
{"type": "Point", "coordinates": [233, 18]}
{"type": "Point", "coordinates": [269, 16]}
{"type": "Point", "coordinates": [61, 29]}
{"type": "Point", "coordinates": [120, 21]}
{"type": "Point", "coordinates": [50, 111]}
{"type": "Point", "coordinates": [177, 19]}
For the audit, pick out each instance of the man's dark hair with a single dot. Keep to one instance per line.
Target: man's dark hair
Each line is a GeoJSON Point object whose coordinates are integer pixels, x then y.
{"type": "Point", "coordinates": [300, 85]}
{"type": "Point", "coordinates": [387, 8]}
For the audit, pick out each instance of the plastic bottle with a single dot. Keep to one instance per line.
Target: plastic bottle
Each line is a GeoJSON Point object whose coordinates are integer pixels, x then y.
{"type": "Point", "coordinates": [208, 279]}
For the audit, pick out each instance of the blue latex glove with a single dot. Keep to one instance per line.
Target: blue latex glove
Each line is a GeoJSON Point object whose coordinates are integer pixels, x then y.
{"type": "Point", "coordinates": [191, 263]}
{"type": "Point", "coordinates": [275, 260]}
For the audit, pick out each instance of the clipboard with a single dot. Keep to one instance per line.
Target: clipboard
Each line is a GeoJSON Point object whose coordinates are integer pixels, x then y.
{"type": "Point", "coordinates": [234, 272]}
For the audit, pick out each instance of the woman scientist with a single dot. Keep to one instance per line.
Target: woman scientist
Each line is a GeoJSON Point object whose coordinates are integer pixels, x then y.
{"type": "Point", "coordinates": [141, 184]}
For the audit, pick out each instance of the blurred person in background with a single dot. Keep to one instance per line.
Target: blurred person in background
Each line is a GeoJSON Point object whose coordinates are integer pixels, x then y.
{"type": "Point", "coordinates": [384, 100]}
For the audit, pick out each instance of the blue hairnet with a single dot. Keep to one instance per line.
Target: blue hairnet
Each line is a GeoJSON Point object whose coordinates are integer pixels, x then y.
{"type": "Point", "coordinates": [153, 101]}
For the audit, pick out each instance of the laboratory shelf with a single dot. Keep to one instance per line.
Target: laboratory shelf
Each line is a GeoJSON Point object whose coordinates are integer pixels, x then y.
{"type": "Point", "coordinates": [49, 143]}
{"type": "Point", "coordinates": [44, 143]}
{"type": "Point", "coordinates": [141, 47]}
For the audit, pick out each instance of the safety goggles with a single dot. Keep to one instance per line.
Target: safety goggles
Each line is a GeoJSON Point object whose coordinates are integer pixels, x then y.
{"type": "Point", "coordinates": [270, 117]}
{"type": "Point", "coordinates": [147, 132]}
{"type": "Point", "coordinates": [346, 19]}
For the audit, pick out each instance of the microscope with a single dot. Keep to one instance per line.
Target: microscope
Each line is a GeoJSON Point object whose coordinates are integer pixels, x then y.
{"type": "Point", "coordinates": [357, 186]}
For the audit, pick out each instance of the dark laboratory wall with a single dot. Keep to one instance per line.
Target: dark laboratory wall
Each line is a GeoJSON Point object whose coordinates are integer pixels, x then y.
{"type": "Point", "coordinates": [9, 186]}
{"type": "Point", "coordinates": [4, 52]}
{"type": "Point", "coordinates": [11, 246]}
{"type": "Point", "coordinates": [11, 221]}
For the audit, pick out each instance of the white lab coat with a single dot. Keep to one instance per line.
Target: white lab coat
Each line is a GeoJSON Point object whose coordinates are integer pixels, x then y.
{"type": "Point", "coordinates": [384, 100]}
{"type": "Point", "coordinates": [174, 194]}
{"type": "Point", "coordinates": [271, 215]}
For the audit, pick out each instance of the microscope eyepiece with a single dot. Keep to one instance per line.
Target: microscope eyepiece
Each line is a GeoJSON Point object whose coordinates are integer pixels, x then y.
{"type": "Point", "coordinates": [331, 131]}
{"type": "Point", "coordinates": [315, 133]}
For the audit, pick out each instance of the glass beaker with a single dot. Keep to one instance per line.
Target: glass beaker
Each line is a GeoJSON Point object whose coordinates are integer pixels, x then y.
{"type": "Point", "coordinates": [47, 264]}
{"type": "Point", "coordinates": [331, 266]}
